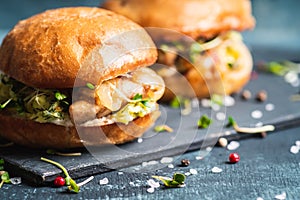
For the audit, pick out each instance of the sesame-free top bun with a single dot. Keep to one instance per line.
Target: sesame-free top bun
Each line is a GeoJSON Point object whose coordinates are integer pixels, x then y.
{"type": "Point", "coordinates": [194, 18]}
{"type": "Point", "coordinates": [48, 49]}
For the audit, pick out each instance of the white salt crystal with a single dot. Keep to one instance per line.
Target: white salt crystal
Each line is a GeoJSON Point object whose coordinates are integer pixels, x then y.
{"type": "Point", "coordinates": [297, 143]}
{"type": "Point", "coordinates": [256, 114]}
{"type": "Point", "coordinates": [294, 149]}
{"type": "Point", "coordinates": [140, 140]}
{"type": "Point", "coordinates": [153, 183]}
{"type": "Point", "coordinates": [150, 190]}
{"type": "Point", "coordinates": [220, 116]}
{"type": "Point", "coordinates": [15, 180]}
{"type": "Point", "coordinates": [193, 171]}
{"type": "Point", "coordinates": [187, 173]}
{"type": "Point", "coordinates": [171, 166]}
{"type": "Point", "coordinates": [281, 196]}
{"type": "Point", "coordinates": [103, 181]}
{"type": "Point", "coordinates": [166, 160]}
{"type": "Point", "coordinates": [216, 170]}
{"type": "Point", "coordinates": [233, 145]}
{"type": "Point", "coordinates": [269, 107]}
{"type": "Point", "coordinates": [228, 101]}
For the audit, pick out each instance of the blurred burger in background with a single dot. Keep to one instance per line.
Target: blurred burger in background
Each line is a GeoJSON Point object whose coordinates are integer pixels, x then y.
{"type": "Point", "coordinates": [200, 39]}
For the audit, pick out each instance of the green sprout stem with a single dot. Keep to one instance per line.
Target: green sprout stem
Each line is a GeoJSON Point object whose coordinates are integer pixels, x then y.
{"type": "Point", "coordinates": [69, 181]}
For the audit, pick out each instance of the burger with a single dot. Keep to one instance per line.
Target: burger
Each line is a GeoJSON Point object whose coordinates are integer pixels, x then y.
{"type": "Point", "coordinates": [200, 40]}
{"type": "Point", "coordinates": [77, 76]}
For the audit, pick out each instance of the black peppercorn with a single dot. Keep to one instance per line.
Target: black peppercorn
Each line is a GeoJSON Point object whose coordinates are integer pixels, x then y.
{"type": "Point", "coordinates": [246, 94]}
{"type": "Point", "coordinates": [185, 162]}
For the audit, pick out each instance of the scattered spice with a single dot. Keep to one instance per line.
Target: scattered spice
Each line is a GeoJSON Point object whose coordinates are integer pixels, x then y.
{"type": "Point", "coordinates": [281, 196]}
{"type": "Point", "coordinates": [261, 96]}
{"type": "Point", "coordinates": [204, 121]}
{"type": "Point", "coordinates": [263, 134]}
{"type": "Point", "coordinates": [166, 160]}
{"type": "Point", "coordinates": [222, 142]}
{"type": "Point", "coordinates": [162, 128]}
{"type": "Point", "coordinates": [193, 171]}
{"type": "Point", "coordinates": [177, 180]}
{"type": "Point", "coordinates": [216, 170]}
{"type": "Point", "coordinates": [185, 162]}
{"type": "Point", "coordinates": [59, 181]}
{"type": "Point", "coordinates": [246, 95]}
{"type": "Point", "coordinates": [256, 114]}
{"type": "Point", "coordinates": [234, 158]}
{"type": "Point", "coordinates": [233, 145]}
{"type": "Point", "coordinates": [103, 181]}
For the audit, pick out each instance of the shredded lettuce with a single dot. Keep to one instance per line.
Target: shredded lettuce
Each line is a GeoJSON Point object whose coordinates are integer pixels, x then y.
{"type": "Point", "coordinates": [31, 103]}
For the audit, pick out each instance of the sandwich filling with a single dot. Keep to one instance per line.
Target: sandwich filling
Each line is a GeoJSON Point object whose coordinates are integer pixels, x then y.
{"type": "Point", "coordinates": [222, 59]}
{"type": "Point", "coordinates": [119, 100]}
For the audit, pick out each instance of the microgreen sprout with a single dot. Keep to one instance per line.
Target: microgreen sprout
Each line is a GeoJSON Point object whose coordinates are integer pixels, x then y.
{"type": "Point", "coordinates": [237, 128]}
{"type": "Point", "coordinates": [180, 101]}
{"type": "Point", "coordinates": [204, 121]}
{"type": "Point", "coordinates": [72, 186]}
{"type": "Point", "coordinates": [177, 180]}
{"type": "Point", "coordinates": [90, 86]}
{"type": "Point", "coordinates": [59, 96]}
{"type": "Point", "coordinates": [54, 152]}
{"type": "Point", "coordinates": [4, 178]}
{"type": "Point", "coordinates": [162, 128]}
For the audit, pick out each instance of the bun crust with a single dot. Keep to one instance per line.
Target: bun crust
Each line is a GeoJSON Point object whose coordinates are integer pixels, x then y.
{"type": "Point", "coordinates": [46, 135]}
{"type": "Point", "coordinates": [48, 50]}
{"type": "Point", "coordinates": [194, 18]}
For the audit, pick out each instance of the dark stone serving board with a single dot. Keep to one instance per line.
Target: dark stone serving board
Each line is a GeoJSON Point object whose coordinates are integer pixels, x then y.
{"type": "Point", "coordinates": [186, 136]}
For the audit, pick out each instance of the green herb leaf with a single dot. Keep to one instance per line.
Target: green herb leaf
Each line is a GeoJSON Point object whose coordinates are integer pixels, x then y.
{"type": "Point", "coordinates": [5, 177]}
{"type": "Point", "coordinates": [59, 96]}
{"type": "Point", "coordinates": [90, 86]}
{"type": "Point", "coordinates": [137, 97]}
{"type": "Point", "coordinates": [179, 178]}
{"type": "Point", "coordinates": [217, 99]}
{"type": "Point", "coordinates": [1, 161]}
{"type": "Point", "coordinates": [204, 121]}
{"type": "Point", "coordinates": [177, 181]}
{"type": "Point", "coordinates": [176, 102]}
{"type": "Point", "coordinates": [231, 122]}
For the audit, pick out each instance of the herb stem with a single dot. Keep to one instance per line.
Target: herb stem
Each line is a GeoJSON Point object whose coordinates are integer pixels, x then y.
{"type": "Point", "coordinates": [253, 130]}
{"type": "Point", "coordinates": [56, 164]}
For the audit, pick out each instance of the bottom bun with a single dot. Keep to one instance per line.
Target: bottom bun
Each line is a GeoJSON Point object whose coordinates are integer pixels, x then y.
{"type": "Point", "coordinates": [47, 135]}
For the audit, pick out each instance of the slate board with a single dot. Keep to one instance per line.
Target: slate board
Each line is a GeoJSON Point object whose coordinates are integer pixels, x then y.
{"type": "Point", "coordinates": [186, 136]}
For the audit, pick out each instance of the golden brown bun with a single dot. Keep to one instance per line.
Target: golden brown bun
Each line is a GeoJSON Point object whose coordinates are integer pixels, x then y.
{"type": "Point", "coordinates": [46, 135]}
{"type": "Point", "coordinates": [48, 49]}
{"type": "Point", "coordinates": [194, 18]}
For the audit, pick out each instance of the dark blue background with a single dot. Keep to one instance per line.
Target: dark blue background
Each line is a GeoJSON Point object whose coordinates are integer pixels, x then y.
{"type": "Point", "coordinates": [278, 24]}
